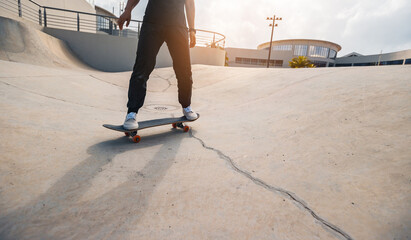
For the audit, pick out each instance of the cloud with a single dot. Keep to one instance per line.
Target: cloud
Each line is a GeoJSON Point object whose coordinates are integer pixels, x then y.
{"type": "Point", "coordinates": [380, 25]}
{"type": "Point", "coordinates": [365, 26]}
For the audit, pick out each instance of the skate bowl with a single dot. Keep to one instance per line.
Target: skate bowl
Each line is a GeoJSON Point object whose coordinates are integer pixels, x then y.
{"type": "Point", "coordinates": [277, 154]}
{"type": "Point", "coordinates": [23, 43]}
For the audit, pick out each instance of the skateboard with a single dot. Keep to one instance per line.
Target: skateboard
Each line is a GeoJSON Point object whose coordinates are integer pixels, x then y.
{"type": "Point", "coordinates": [175, 123]}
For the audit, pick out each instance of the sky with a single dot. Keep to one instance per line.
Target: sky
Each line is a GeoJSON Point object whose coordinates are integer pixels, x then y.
{"type": "Point", "coordinates": [363, 26]}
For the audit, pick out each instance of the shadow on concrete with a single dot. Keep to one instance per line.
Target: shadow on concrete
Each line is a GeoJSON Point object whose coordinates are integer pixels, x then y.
{"type": "Point", "coordinates": [59, 213]}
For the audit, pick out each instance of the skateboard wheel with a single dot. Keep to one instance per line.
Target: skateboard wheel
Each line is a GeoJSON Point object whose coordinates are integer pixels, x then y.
{"type": "Point", "coordinates": [127, 134]}
{"type": "Point", "coordinates": [174, 125]}
{"type": "Point", "coordinates": [136, 139]}
{"type": "Point", "coordinates": [186, 128]}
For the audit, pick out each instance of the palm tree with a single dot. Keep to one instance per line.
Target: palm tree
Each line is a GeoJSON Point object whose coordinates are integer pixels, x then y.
{"type": "Point", "coordinates": [226, 60]}
{"type": "Point", "coordinates": [301, 62]}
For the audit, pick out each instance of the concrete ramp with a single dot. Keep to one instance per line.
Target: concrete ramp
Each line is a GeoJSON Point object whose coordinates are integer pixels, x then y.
{"type": "Point", "coordinates": [20, 42]}
{"type": "Point", "coordinates": [277, 153]}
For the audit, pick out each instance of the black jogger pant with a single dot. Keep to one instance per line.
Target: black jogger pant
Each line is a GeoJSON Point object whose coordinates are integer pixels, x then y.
{"type": "Point", "coordinates": [152, 36]}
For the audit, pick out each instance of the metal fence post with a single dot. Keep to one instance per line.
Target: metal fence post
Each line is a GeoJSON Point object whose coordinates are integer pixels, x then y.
{"type": "Point", "coordinates": [45, 17]}
{"type": "Point", "coordinates": [19, 7]}
{"type": "Point", "coordinates": [78, 22]}
{"type": "Point", "coordinates": [40, 16]}
{"type": "Point", "coordinates": [111, 27]}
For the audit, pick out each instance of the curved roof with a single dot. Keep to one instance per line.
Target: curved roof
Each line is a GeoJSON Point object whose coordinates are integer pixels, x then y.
{"type": "Point", "coordinates": [301, 41]}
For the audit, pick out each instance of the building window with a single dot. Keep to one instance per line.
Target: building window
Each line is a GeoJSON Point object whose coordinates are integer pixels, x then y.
{"type": "Point", "coordinates": [319, 63]}
{"type": "Point", "coordinates": [105, 24]}
{"type": "Point", "coordinates": [300, 50]}
{"type": "Point", "coordinates": [318, 52]}
{"type": "Point", "coordinates": [408, 61]}
{"type": "Point", "coordinates": [333, 54]}
{"type": "Point", "coordinates": [365, 64]}
{"type": "Point", "coordinates": [102, 23]}
{"type": "Point", "coordinates": [261, 62]}
{"type": "Point", "coordinates": [283, 48]}
{"type": "Point", "coordinates": [395, 62]}
{"type": "Point", "coordinates": [343, 65]}
{"type": "Point", "coordinates": [278, 63]}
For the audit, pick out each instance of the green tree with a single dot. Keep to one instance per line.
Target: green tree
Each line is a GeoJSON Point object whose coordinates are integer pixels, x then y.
{"type": "Point", "coordinates": [301, 62]}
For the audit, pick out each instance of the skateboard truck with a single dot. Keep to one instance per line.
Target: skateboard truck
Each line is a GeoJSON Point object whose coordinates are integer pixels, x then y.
{"type": "Point", "coordinates": [181, 125]}
{"type": "Point", "coordinates": [136, 138]}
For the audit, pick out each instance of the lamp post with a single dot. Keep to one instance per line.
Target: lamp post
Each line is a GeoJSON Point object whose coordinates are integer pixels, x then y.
{"type": "Point", "coordinates": [272, 34]}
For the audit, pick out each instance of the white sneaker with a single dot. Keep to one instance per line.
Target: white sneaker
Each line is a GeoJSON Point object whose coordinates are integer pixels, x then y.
{"type": "Point", "coordinates": [189, 113]}
{"type": "Point", "coordinates": [131, 121]}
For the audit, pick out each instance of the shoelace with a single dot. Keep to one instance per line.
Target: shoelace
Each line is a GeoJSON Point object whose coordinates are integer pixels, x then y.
{"type": "Point", "coordinates": [131, 116]}
{"type": "Point", "coordinates": [191, 111]}
{"type": "Point", "coordinates": [188, 110]}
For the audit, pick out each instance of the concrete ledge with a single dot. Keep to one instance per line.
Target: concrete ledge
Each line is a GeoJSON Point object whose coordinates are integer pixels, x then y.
{"type": "Point", "coordinates": [103, 52]}
{"type": "Point", "coordinates": [116, 54]}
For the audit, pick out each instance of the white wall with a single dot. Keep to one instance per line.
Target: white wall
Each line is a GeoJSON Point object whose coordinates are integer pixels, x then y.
{"type": "Point", "coordinates": [198, 55]}
{"type": "Point", "coordinates": [116, 54]}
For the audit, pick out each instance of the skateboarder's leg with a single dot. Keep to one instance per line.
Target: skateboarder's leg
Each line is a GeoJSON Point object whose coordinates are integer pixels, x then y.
{"type": "Point", "coordinates": [177, 42]}
{"type": "Point", "coordinates": [150, 41]}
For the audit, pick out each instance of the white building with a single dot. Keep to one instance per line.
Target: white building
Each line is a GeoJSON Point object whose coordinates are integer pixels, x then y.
{"type": "Point", "coordinates": [321, 53]}
{"type": "Point", "coordinates": [355, 59]}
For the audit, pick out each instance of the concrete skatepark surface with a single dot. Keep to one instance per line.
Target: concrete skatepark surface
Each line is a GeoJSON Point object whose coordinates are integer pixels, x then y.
{"type": "Point", "coordinates": [277, 154]}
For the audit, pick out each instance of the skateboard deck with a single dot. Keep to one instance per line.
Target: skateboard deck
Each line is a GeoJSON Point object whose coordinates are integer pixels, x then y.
{"type": "Point", "coordinates": [175, 122]}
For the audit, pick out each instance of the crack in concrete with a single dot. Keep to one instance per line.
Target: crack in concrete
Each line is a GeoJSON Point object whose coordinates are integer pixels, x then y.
{"type": "Point", "coordinates": [295, 199]}
{"type": "Point", "coordinates": [106, 81]}
{"type": "Point", "coordinates": [165, 79]}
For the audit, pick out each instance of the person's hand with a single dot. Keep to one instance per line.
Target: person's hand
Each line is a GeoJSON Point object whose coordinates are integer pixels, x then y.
{"type": "Point", "coordinates": [193, 40]}
{"type": "Point", "coordinates": [125, 17]}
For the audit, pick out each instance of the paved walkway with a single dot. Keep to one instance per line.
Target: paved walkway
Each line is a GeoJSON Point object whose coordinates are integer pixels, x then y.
{"type": "Point", "coordinates": [277, 154]}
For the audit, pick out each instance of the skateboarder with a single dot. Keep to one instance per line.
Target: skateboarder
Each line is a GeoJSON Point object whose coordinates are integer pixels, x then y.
{"type": "Point", "coordinates": [164, 21]}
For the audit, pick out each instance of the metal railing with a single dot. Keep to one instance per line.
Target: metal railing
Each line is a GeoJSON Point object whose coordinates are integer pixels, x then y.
{"type": "Point", "coordinates": [89, 22]}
